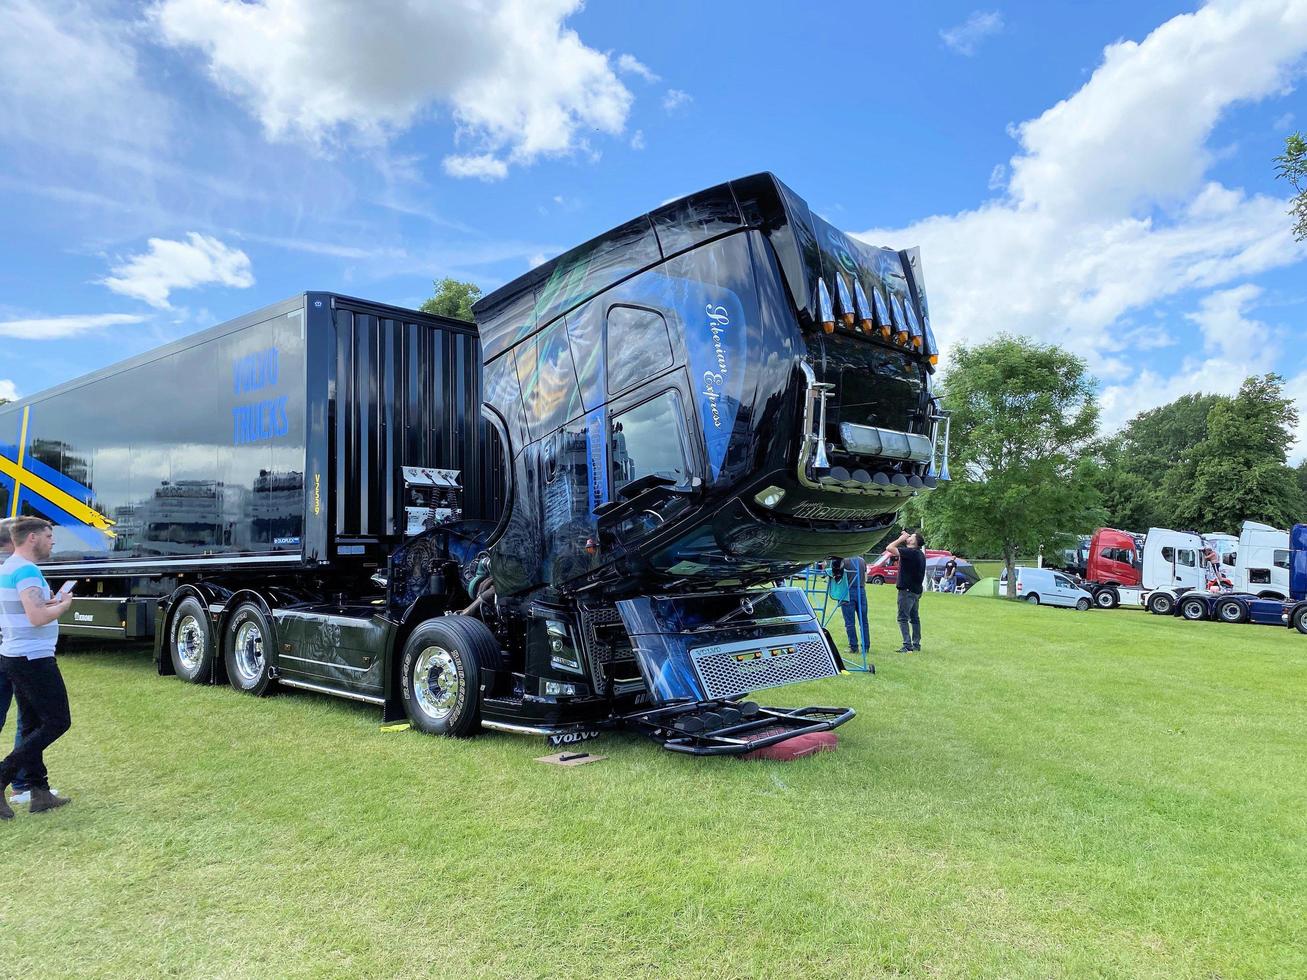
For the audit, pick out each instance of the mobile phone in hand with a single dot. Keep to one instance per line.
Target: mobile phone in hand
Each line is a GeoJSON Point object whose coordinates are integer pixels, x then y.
{"type": "Point", "coordinates": [67, 587]}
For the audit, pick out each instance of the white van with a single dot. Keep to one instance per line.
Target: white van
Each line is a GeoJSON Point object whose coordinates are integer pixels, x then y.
{"type": "Point", "coordinates": [1044, 586]}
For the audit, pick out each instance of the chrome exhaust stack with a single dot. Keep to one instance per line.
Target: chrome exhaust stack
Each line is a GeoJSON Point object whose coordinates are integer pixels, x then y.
{"type": "Point", "coordinates": [817, 392]}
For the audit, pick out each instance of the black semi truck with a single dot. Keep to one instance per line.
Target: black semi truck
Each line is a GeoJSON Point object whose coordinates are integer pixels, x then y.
{"type": "Point", "coordinates": [564, 518]}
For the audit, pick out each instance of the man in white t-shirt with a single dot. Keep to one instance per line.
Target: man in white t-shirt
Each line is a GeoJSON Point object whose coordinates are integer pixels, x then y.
{"type": "Point", "coordinates": [29, 630]}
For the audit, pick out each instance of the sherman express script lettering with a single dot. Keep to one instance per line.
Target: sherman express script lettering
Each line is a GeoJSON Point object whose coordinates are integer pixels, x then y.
{"type": "Point", "coordinates": [264, 418]}
{"type": "Point", "coordinates": [714, 382]}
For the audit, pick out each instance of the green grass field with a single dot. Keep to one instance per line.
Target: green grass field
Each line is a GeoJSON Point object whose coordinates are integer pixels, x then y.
{"type": "Point", "coordinates": [1041, 793]}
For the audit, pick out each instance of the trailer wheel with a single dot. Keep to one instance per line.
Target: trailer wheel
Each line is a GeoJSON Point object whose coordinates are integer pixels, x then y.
{"type": "Point", "coordinates": [249, 641]}
{"type": "Point", "coordinates": [1083, 605]}
{"type": "Point", "coordinates": [1193, 610]}
{"type": "Point", "coordinates": [1107, 598]}
{"type": "Point", "coordinates": [1231, 611]}
{"type": "Point", "coordinates": [190, 641]}
{"type": "Point", "coordinates": [441, 672]}
{"type": "Point", "coordinates": [1161, 604]}
{"type": "Point", "coordinates": [1033, 598]}
{"type": "Point", "coordinates": [1299, 619]}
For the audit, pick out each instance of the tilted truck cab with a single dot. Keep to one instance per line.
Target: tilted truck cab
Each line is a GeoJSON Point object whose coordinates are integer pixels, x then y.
{"type": "Point", "coordinates": [580, 533]}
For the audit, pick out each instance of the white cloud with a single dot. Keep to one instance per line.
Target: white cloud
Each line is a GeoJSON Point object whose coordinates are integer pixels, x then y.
{"type": "Point", "coordinates": [964, 38]}
{"type": "Point", "coordinates": [676, 99]}
{"type": "Point", "coordinates": [483, 166]}
{"type": "Point", "coordinates": [637, 140]}
{"type": "Point", "coordinates": [1284, 122]}
{"type": "Point", "coordinates": [1108, 209]}
{"type": "Point", "coordinates": [519, 84]}
{"type": "Point", "coordinates": [169, 265]}
{"type": "Point", "coordinates": [70, 78]}
{"type": "Point", "coordinates": [59, 327]}
{"type": "Point", "coordinates": [1229, 347]}
{"type": "Point", "coordinates": [8, 390]}
{"type": "Point", "coordinates": [633, 66]}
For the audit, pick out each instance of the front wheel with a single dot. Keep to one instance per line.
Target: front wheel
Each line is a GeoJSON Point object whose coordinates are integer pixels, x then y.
{"type": "Point", "coordinates": [249, 643]}
{"type": "Point", "coordinates": [441, 674]}
{"type": "Point", "coordinates": [1193, 610]}
{"type": "Point", "coordinates": [878, 580]}
{"type": "Point", "coordinates": [1033, 598]}
{"type": "Point", "coordinates": [1299, 619]}
{"type": "Point", "coordinates": [1107, 598]}
{"type": "Point", "coordinates": [1083, 605]}
{"type": "Point", "coordinates": [1161, 604]}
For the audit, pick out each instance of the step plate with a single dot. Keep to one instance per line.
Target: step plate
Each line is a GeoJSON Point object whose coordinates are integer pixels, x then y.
{"type": "Point", "coordinates": [727, 669]}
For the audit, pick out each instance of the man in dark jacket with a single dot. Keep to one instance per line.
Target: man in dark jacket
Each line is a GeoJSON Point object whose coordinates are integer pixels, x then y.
{"type": "Point", "coordinates": [910, 549]}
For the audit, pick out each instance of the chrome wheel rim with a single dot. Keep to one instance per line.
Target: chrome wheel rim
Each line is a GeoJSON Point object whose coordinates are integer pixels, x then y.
{"type": "Point", "coordinates": [190, 642]}
{"type": "Point", "coordinates": [437, 682]}
{"type": "Point", "coordinates": [249, 651]}
{"type": "Point", "coordinates": [1230, 613]}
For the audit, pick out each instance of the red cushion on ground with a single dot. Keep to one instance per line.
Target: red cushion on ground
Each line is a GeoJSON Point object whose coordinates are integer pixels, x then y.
{"type": "Point", "coordinates": [797, 747]}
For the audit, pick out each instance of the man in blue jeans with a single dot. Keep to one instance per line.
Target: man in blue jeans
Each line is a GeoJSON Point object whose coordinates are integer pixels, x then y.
{"type": "Point", "coordinates": [849, 588]}
{"type": "Point", "coordinates": [909, 548]}
{"type": "Point", "coordinates": [22, 782]}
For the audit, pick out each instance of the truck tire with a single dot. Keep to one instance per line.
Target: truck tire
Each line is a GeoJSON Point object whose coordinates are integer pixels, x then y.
{"type": "Point", "coordinates": [190, 641]}
{"type": "Point", "coordinates": [441, 672]}
{"type": "Point", "coordinates": [1084, 605]}
{"type": "Point", "coordinates": [1193, 609]}
{"type": "Point", "coordinates": [1299, 618]}
{"type": "Point", "coordinates": [1161, 604]}
{"type": "Point", "coordinates": [1107, 598]}
{"type": "Point", "coordinates": [877, 580]}
{"type": "Point", "coordinates": [1033, 598]}
{"type": "Point", "coordinates": [249, 640]}
{"type": "Point", "coordinates": [1231, 611]}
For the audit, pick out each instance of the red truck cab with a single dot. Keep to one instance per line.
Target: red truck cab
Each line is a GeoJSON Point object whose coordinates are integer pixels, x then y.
{"type": "Point", "coordinates": [885, 569]}
{"type": "Point", "coordinates": [1114, 558]}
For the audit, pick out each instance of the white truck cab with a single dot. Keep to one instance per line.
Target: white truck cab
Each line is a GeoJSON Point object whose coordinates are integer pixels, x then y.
{"type": "Point", "coordinates": [1261, 566]}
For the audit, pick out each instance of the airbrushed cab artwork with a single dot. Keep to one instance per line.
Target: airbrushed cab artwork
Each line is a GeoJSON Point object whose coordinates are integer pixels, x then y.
{"type": "Point", "coordinates": [697, 403]}
{"type": "Point", "coordinates": [564, 519]}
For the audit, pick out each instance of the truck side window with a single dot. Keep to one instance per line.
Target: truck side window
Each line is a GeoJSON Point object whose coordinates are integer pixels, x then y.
{"type": "Point", "coordinates": [1281, 558]}
{"type": "Point", "coordinates": [649, 439]}
{"type": "Point", "coordinates": [1187, 557]}
{"type": "Point", "coordinates": [637, 346]}
{"type": "Point", "coordinates": [1259, 576]}
{"type": "Point", "coordinates": [1168, 554]}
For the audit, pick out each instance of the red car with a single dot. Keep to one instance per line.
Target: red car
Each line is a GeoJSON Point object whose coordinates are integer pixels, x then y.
{"type": "Point", "coordinates": [886, 567]}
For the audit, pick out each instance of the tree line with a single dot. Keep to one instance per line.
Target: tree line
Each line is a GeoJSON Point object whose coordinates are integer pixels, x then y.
{"type": "Point", "coordinates": [1030, 468]}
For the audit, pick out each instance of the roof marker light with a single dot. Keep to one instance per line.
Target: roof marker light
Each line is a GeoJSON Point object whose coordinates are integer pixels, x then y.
{"type": "Point", "coordinates": [883, 319]}
{"type": "Point", "coordinates": [901, 337]}
{"type": "Point", "coordinates": [864, 307]}
{"type": "Point", "coordinates": [914, 323]}
{"type": "Point", "coordinates": [825, 314]}
{"type": "Point", "coordinates": [847, 314]}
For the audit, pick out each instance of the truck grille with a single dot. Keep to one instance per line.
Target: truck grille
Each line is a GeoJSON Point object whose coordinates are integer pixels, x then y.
{"type": "Point", "coordinates": [736, 668]}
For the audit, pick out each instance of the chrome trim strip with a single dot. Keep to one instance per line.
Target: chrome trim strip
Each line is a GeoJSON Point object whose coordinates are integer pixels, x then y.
{"type": "Point", "coordinates": [503, 726]}
{"type": "Point", "coordinates": [59, 568]}
{"type": "Point", "coordinates": [324, 663]}
{"type": "Point", "coordinates": [336, 692]}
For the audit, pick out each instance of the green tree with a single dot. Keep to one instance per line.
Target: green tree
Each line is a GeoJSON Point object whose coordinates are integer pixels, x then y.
{"type": "Point", "coordinates": [1241, 469]}
{"type": "Point", "coordinates": [1148, 467]}
{"type": "Point", "coordinates": [1301, 473]}
{"type": "Point", "coordinates": [453, 298]}
{"type": "Point", "coordinates": [1291, 165]}
{"type": "Point", "coordinates": [1024, 422]}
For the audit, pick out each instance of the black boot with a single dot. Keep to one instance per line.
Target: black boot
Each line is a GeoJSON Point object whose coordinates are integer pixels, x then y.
{"type": "Point", "coordinates": [6, 811]}
{"type": "Point", "coordinates": [43, 799]}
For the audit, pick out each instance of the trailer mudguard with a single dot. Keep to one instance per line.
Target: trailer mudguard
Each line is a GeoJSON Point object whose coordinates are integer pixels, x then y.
{"type": "Point", "coordinates": [701, 648]}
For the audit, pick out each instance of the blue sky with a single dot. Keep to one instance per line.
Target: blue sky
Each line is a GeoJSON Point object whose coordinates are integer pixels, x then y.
{"type": "Point", "coordinates": [1098, 175]}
